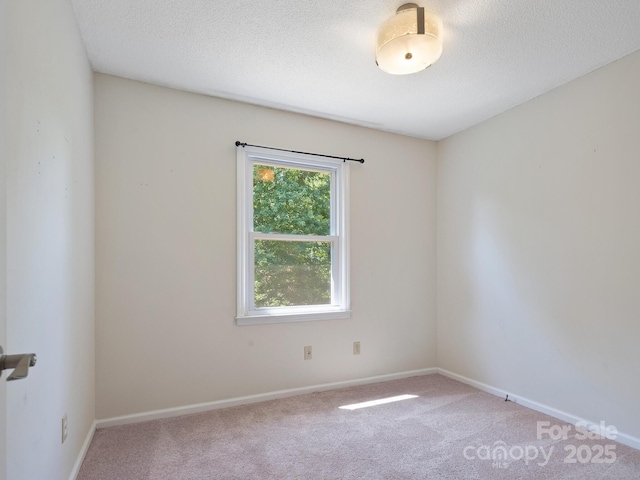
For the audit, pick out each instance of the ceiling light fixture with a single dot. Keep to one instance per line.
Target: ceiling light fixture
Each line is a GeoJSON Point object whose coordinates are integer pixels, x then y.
{"type": "Point", "coordinates": [410, 41]}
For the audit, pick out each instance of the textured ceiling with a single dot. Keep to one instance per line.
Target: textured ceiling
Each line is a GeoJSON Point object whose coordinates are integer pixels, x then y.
{"type": "Point", "coordinates": [318, 57]}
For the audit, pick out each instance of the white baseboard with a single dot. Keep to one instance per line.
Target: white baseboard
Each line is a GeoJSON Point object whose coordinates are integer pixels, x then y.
{"type": "Point", "coordinates": [623, 438]}
{"type": "Point", "coordinates": [83, 452]}
{"type": "Point", "coordinates": [232, 402]}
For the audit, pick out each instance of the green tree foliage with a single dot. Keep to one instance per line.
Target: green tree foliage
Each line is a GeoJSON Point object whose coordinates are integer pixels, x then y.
{"type": "Point", "coordinates": [298, 202]}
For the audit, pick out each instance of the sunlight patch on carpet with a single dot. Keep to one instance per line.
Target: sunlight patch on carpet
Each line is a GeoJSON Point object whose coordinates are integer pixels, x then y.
{"type": "Point", "coordinates": [382, 401]}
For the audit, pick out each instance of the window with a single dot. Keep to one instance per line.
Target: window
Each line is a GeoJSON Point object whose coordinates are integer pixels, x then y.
{"type": "Point", "coordinates": [292, 237]}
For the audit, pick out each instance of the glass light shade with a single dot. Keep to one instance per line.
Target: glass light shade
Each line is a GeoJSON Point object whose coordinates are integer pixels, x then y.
{"type": "Point", "coordinates": [401, 49]}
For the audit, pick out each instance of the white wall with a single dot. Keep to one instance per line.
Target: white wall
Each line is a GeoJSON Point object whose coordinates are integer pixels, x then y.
{"type": "Point", "coordinates": [166, 253]}
{"type": "Point", "coordinates": [50, 237]}
{"type": "Point", "coordinates": [3, 229]}
{"type": "Point", "coordinates": [538, 235]}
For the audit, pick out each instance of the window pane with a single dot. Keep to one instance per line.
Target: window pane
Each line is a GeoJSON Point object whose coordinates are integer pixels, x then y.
{"type": "Point", "coordinates": [292, 273]}
{"type": "Point", "coordinates": [291, 201]}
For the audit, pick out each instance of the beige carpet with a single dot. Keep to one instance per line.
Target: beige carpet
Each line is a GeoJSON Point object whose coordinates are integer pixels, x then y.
{"type": "Point", "coordinates": [449, 431]}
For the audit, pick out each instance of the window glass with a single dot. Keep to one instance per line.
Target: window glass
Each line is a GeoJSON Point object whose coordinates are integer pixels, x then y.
{"type": "Point", "coordinates": [291, 200]}
{"type": "Point", "coordinates": [292, 273]}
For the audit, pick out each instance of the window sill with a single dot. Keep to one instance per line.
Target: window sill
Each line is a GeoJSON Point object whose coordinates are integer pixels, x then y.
{"type": "Point", "coordinates": [294, 317]}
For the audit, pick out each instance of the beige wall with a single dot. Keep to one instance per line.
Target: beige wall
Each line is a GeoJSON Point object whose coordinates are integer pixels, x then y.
{"type": "Point", "coordinates": [538, 235]}
{"type": "Point", "coordinates": [48, 157]}
{"type": "Point", "coordinates": [166, 253]}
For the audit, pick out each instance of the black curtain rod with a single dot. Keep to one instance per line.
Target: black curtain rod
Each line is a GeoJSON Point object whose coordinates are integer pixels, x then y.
{"type": "Point", "coordinates": [344, 159]}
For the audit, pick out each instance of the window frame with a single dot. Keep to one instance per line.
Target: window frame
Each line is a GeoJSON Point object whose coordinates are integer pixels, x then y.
{"type": "Point", "coordinates": [247, 313]}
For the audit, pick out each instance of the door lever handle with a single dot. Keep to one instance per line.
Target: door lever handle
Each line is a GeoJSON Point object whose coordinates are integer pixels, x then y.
{"type": "Point", "coordinates": [19, 363]}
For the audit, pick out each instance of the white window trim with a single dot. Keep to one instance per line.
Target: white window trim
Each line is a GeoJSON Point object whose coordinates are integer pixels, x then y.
{"type": "Point", "coordinates": [246, 313]}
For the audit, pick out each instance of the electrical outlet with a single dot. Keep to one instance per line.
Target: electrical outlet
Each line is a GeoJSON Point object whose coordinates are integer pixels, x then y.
{"type": "Point", "coordinates": [64, 428]}
{"type": "Point", "coordinates": [307, 352]}
{"type": "Point", "coordinates": [356, 348]}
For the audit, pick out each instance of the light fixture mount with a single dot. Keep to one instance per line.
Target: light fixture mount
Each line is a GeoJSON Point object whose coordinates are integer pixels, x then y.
{"type": "Point", "coordinates": [410, 41]}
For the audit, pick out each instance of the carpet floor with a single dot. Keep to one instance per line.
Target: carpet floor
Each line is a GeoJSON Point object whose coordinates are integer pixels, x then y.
{"type": "Point", "coordinates": [448, 431]}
